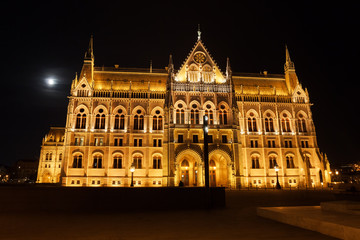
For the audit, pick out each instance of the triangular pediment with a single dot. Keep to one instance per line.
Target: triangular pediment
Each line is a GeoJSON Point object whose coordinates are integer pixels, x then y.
{"type": "Point", "coordinates": [82, 87]}
{"type": "Point", "coordinates": [299, 95]}
{"type": "Point", "coordinates": [199, 66]}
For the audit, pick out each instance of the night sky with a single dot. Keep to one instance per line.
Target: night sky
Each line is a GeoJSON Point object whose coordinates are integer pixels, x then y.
{"type": "Point", "coordinates": [48, 39]}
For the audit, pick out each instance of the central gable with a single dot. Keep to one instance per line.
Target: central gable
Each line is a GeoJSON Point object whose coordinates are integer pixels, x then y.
{"type": "Point", "coordinates": [200, 67]}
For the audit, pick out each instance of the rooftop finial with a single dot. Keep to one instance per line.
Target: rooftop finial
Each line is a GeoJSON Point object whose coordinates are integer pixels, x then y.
{"type": "Point", "coordinates": [199, 32]}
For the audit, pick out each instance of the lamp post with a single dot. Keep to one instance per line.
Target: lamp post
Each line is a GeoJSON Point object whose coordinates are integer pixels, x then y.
{"type": "Point", "coordinates": [206, 150]}
{"type": "Point", "coordinates": [132, 170]}
{"type": "Point", "coordinates": [277, 177]}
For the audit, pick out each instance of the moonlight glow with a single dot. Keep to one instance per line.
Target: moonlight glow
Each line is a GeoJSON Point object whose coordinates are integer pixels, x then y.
{"type": "Point", "coordinates": [50, 81]}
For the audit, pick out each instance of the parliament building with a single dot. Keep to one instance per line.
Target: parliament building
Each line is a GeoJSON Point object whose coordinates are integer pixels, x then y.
{"type": "Point", "coordinates": [152, 120]}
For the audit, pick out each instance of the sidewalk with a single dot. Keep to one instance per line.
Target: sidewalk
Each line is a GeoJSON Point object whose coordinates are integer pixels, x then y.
{"type": "Point", "coordinates": [237, 221]}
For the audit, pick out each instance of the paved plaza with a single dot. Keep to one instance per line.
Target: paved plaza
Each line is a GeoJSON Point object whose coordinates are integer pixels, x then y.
{"type": "Point", "coordinates": [237, 221]}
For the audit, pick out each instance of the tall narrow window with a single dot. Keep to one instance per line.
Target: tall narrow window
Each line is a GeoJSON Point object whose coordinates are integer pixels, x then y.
{"type": "Point", "coordinates": [77, 161]}
{"type": "Point", "coordinates": [136, 122]}
{"type": "Point", "coordinates": [223, 115]}
{"type": "Point", "coordinates": [117, 162]}
{"type": "Point", "coordinates": [290, 162]}
{"type": "Point", "coordinates": [182, 116]}
{"type": "Point", "coordinates": [122, 121]}
{"type": "Point", "coordinates": [100, 121]}
{"type": "Point", "coordinates": [155, 123]}
{"type": "Point", "coordinates": [252, 124]}
{"type": "Point", "coordinates": [178, 118]}
{"type": "Point", "coordinates": [78, 121]}
{"type": "Point", "coordinates": [141, 122]}
{"type": "Point", "coordinates": [97, 161]}
{"type": "Point", "coordinates": [137, 162]}
{"type": "Point", "coordinates": [285, 123]}
{"type": "Point", "coordinates": [272, 162]}
{"type": "Point", "coordinates": [83, 121]}
{"type": "Point", "coordinates": [255, 162]}
{"type": "Point", "coordinates": [117, 122]}
{"type": "Point", "coordinates": [301, 124]}
{"type": "Point", "coordinates": [192, 119]}
{"type": "Point", "coordinates": [157, 162]}
{"type": "Point", "coordinates": [269, 124]}
{"type": "Point", "coordinates": [197, 117]}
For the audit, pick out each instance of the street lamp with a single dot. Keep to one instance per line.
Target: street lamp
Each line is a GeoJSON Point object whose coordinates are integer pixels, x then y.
{"type": "Point", "coordinates": [206, 150]}
{"type": "Point", "coordinates": [132, 170]}
{"type": "Point", "coordinates": [277, 177]}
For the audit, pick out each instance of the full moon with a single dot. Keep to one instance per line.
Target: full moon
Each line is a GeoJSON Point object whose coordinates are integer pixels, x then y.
{"type": "Point", "coordinates": [50, 81]}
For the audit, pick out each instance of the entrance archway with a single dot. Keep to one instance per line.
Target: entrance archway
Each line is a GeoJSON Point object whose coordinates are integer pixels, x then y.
{"type": "Point", "coordinates": [220, 169]}
{"type": "Point", "coordinates": [188, 168]}
{"type": "Point", "coordinates": [185, 172]}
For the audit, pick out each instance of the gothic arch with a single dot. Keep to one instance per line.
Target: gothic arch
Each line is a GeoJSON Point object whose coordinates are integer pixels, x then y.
{"type": "Point", "coordinates": [180, 102]}
{"type": "Point", "coordinates": [138, 107]}
{"type": "Point", "coordinates": [271, 112]}
{"type": "Point", "coordinates": [153, 111]}
{"type": "Point", "coordinates": [82, 106]}
{"type": "Point", "coordinates": [196, 103]}
{"type": "Point", "coordinates": [305, 116]}
{"type": "Point", "coordinates": [253, 111]}
{"type": "Point", "coordinates": [101, 106]}
{"type": "Point", "coordinates": [180, 155]}
{"type": "Point", "coordinates": [117, 108]}
{"type": "Point", "coordinates": [213, 107]}
{"type": "Point", "coordinates": [289, 115]}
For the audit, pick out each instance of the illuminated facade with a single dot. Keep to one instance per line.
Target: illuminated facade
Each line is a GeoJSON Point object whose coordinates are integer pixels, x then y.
{"type": "Point", "coordinates": [152, 118]}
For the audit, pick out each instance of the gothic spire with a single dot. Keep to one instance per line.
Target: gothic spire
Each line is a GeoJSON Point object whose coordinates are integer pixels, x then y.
{"type": "Point", "coordinates": [89, 54]}
{"type": "Point", "coordinates": [199, 32]}
{"type": "Point", "coordinates": [171, 64]}
{"type": "Point", "coordinates": [288, 63]}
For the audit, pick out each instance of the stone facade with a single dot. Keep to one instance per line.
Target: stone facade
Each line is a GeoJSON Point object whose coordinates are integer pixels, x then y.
{"type": "Point", "coordinates": [152, 119]}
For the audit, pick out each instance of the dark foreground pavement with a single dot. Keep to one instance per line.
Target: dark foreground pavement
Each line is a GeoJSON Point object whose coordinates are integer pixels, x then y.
{"type": "Point", "coordinates": [237, 221]}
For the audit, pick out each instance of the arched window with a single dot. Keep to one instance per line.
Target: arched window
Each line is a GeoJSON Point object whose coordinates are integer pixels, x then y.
{"type": "Point", "coordinates": [269, 124]}
{"type": "Point", "coordinates": [50, 156]}
{"type": "Point", "coordinates": [210, 115]}
{"type": "Point", "coordinates": [157, 121]}
{"type": "Point", "coordinates": [180, 114]}
{"type": "Point", "coordinates": [117, 161]}
{"type": "Point", "coordinates": [78, 121]}
{"type": "Point", "coordinates": [285, 123]}
{"type": "Point", "coordinates": [97, 161]}
{"type": "Point", "coordinates": [157, 162]}
{"type": "Point", "coordinates": [100, 121]}
{"type": "Point", "coordinates": [290, 162]}
{"type": "Point", "coordinates": [137, 160]}
{"type": "Point", "coordinates": [195, 117]}
{"type": "Point", "coordinates": [83, 121]}
{"type": "Point", "coordinates": [223, 115]}
{"type": "Point", "coordinates": [252, 126]}
{"type": "Point", "coordinates": [301, 122]}
{"type": "Point", "coordinates": [139, 120]}
{"type": "Point", "coordinates": [212, 164]}
{"type": "Point", "coordinates": [77, 161]}
{"type": "Point", "coordinates": [119, 122]}
{"type": "Point", "coordinates": [272, 162]}
{"type": "Point", "coordinates": [255, 162]}
{"type": "Point", "coordinates": [60, 156]}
